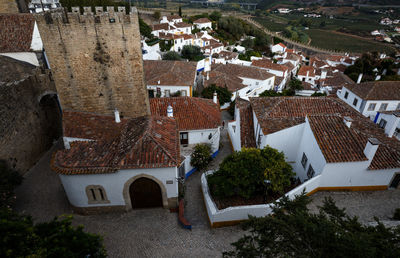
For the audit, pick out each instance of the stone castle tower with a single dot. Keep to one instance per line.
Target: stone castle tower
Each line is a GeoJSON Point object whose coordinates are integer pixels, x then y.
{"type": "Point", "coordinates": [96, 60]}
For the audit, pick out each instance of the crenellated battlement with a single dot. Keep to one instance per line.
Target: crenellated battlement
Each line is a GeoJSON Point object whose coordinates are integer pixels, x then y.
{"type": "Point", "coordinates": [101, 16]}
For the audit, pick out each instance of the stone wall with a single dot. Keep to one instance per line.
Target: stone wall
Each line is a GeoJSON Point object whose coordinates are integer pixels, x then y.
{"type": "Point", "coordinates": [8, 6]}
{"type": "Point", "coordinates": [96, 60]}
{"type": "Point", "coordinates": [30, 119]}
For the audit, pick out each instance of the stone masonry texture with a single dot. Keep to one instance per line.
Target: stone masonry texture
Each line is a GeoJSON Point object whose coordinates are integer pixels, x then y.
{"type": "Point", "coordinates": [96, 61]}
{"type": "Point", "coordinates": [8, 6]}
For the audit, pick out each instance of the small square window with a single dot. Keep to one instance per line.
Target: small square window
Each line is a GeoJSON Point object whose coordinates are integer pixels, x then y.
{"type": "Point", "coordinates": [383, 107]}
{"type": "Point", "coordinates": [398, 107]}
{"type": "Point", "coordinates": [371, 107]}
{"type": "Point", "coordinates": [310, 172]}
{"type": "Point", "coordinates": [346, 95]}
{"type": "Point", "coordinates": [304, 160]}
{"type": "Point", "coordinates": [382, 123]}
{"type": "Point", "coordinates": [355, 101]}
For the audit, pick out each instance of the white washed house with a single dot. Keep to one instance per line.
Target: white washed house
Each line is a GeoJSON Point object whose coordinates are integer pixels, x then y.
{"type": "Point", "coordinates": [203, 23]}
{"type": "Point", "coordinates": [111, 164]}
{"type": "Point", "coordinates": [278, 48]}
{"type": "Point", "coordinates": [390, 122]}
{"type": "Point", "coordinates": [323, 136]}
{"type": "Point", "coordinates": [368, 98]}
{"type": "Point", "coordinates": [165, 78]}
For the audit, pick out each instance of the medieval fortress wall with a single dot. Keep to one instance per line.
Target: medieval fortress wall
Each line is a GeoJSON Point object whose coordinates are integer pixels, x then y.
{"type": "Point", "coordinates": [96, 59]}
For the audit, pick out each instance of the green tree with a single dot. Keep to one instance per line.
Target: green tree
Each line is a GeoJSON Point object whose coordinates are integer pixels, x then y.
{"type": "Point", "coordinates": [223, 94]}
{"type": "Point", "coordinates": [9, 179]}
{"type": "Point", "coordinates": [295, 84]}
{"type": "Point", "coordinates": [165, 45]}
{"type": "Point", "coordinates": [193, 53]}
{"type": "Point", "coordinates": [145, 29]}
{"type": "Point", "coordinates": [171, 55]}
{"type": "Point", "coordinates": [215, 16]}
{"type": "Point", "coordinates": [248, 42]}
{"type": "Point", "coordinates": [244, 173]}
{"type": "Point", "coordinates": [291, 230]}
{"type": "Point", "coordinates": [157, 15]}
{"type": "Point", "coordinates": [201, 156]}
{"type": "Point", "coordinates": [180, 11]}
{"type": "Point", "coordinates": [57, 238]}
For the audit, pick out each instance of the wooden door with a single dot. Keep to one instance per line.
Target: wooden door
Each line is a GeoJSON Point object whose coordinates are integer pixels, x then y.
{"type": "Point", "coordinates": [145, 193]}
{"type": "Point", "coordinates": [184, 138]}
{"type": "Point", "coordinates": [395, 181]}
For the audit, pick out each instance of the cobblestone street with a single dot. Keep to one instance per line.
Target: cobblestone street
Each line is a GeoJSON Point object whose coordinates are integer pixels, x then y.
{"type": "Point", "coordinates": [156, 232]}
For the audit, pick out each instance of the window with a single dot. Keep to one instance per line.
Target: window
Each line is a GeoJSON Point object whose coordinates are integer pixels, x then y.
{"type": "Point", "coordinates": [167, 93]}
{"type": "Point", "coordinates": [183, 93]}
{"type": "Point", "coordinates": [383, 107]}
{"type": "Point", "coordinates": [355, 102]}
{"type": "Point", "coordinates": [184, 137]}
{"type": "Point", "coordinates": [96, 194]}
{"type": "Point", "coordinates": [382, 123]}
{"type": "Point", "coordinates": [371, 107]}
{"type": "Point", "coordinates": [398, 107]}
{"type": "Point", "coordinates": [304, 160]}
{"type": "Point", "coordinates": [346, 95]}
{"type": "Point", "coordinates": [257, 83]}
{"type": "Point", "coordinates": [310, 172]}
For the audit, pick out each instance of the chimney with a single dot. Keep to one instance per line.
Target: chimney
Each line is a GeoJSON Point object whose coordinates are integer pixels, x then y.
{"type": "Point", "coordinates": [347, 120]}
{"type": "Point", "coordinates": [215, 97]}
{"type": "Point", "coordinates": [170, 112]}
{"type": "Point", "coordinates": [208, 76]}
{"type": "Point", "coordinates": [359, 78]}
{"type": "Point", "coordinates": [308, 72]}
{"type": "Point", "coordinates": [371, 148]}
{"type": "Point", "coordinates": [323, 74]}
{"type": "Point", "coordinates": [116, 114]}
{"type": "Point", "coordinates": [377, 78]}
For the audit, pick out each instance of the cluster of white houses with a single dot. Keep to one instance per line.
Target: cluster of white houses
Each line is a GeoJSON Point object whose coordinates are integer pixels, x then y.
{"type": "Point", "coordinates": [325, 136]}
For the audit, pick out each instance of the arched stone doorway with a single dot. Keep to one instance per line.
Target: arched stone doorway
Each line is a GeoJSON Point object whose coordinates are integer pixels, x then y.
{"type": "Point", "coordinates": [145, 193]}
{"type": "Point", "coordinates": [130, 184]}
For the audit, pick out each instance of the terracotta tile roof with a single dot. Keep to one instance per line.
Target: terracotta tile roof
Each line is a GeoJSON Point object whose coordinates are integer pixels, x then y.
{"type": "Point", "coordinates": [227, 55]}
{"type": "Point", "coordinates": [377, 90]}
{"type": "Point", "coordinates": [277, 113]}
{"type": "Point", "coordinates": [282, 45]}
{"type": "Point", "coordinates": [182, 25]}
{"type": "Point", "coordinates": [16, 32]}
{"type": "Point", "coordinates": [189, 113]}
{"type": "Point", "coordinates": [304, 69]}
{"type": "Point", "coordinates": [228, 75]}
{"type": "Point", "coordinates": [308, 86]}
{"type": "Point", "coordinates": [143, 142]}
{"type": "Point", "coordinates": [341, 67]}
{"type": "Point", "coordinates": [266, 63]}
{"type": "Point", "coordinates": [289, 65]}
{"type": "Point", "coordinates": [293, 56]}
{"type": "Point", "coordinates": [338, 80]}
{"type": "Point", "coordinates": [247, 138]}
{"type": "Point", "coordinates": [202, 20]}
{"type": "Point", "coordinates": [174, 73]}
{"type": "Point", "coordinates": [391, 112]}
{"type": "Point", "coordinates": [162, 26]}
{"type": "Point", "coordinates": [337, 142]}
{"type": "Point", "coordinates": [173, 17]}
{"type": "Point", "coordinates": [91, 126]}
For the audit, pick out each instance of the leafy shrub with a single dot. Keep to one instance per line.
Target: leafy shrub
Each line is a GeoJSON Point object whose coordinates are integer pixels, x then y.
{"type": "Point", "coordinates": [243, 173]}
{"type": "Point", "coordinates": [193, 53]}
{"type": "Point", "coordinates": [201, 156]}
{"type": "Point", "coordinates": [57, 238]}
{"type": "Point", "coordinates": [223, 94]}
{"type": "Point", "coordinates": [9, 179]}
{"type": "Point", "coordinates": [171, 55]}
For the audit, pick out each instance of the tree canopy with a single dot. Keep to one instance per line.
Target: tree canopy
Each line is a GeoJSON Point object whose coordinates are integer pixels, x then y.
{"type": "Point", "coordinates": [171, 55]}
{"type": "Point", "coordinates": [193, 53]}
{"type": "Point", "coordinates": [291, 230]}
{"type": "Point", "coordinates": [145, 29]}
{"type": "Point", "coordinates": [223, 94]}
{"type": "Point", "coordinates": [244, 173]}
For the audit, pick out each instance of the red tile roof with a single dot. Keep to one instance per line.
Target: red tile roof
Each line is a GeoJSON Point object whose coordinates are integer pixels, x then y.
{"type": "Point", "coordinates": [162, 26]}
{"type": "Point", "coordinates": [189, 113]}
{"type": "Point", "coordinates": [266, 63]}
{"type": "Point", "coordinates": [173, 73]}
{"type": "Point", "coordinates": [247, 138]}
{"type": "Point", "coordinates": [202, 20]}
{"type": "Point", "coordinates": [304, 69]}
{"type": "Point", "coordinates": [182, 25]}
{"type": "Point", "coordinates": [143, 142]}
{"type": "Point", "coordinates": [337, 142]}
{"type": "Point", "coordinates": [377, 90]}
{"type": "Point", "coordinates": [277, 113]}
{"type": "Point", "coordinates": [16, 32]}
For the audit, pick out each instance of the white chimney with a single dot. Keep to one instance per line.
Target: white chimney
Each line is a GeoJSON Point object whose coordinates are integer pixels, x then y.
{"type": "Point", "coordinates": [208, 76]}
{"type": "Point", "coordinates": [116, 114]}
{"type": "Point", "coordinates": [323, 74]}
{"type": "Point", "coordinates": [359, 78]}
{"type": "Point", "coordinates": [377, 78]}
{"type": "Point", "coordinates": [308, 72]}
{"type": "Point", "coordinates": [170, 111]}
{"type": "Point", "coordinates": [158, 82]}
{"type": "Point", "coordinates": [215, 97]}
{"type": "Point", "coordinates": [371, 148]}
{"type": "Point", "coordinates": [347, 120]}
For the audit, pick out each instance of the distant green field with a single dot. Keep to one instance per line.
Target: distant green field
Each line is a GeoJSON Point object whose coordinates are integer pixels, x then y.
{"type": "Point", "coordinates": [270, 25]}
{"type": "Point", "coordinates": [329, 40]}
